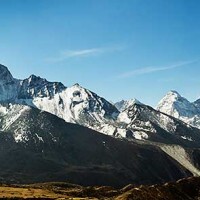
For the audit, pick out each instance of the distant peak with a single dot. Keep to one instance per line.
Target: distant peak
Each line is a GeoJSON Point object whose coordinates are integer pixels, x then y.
{"type": "Point", "coordinates": [173, 100]}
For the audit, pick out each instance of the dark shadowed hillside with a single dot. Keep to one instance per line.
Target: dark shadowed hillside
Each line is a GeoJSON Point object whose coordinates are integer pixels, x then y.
{"type": "Point", "coordinates": [40, 147]}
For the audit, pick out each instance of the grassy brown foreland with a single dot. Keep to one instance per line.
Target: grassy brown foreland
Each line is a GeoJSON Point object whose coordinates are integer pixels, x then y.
{"type": "Point", "coordinates": [185, 189]}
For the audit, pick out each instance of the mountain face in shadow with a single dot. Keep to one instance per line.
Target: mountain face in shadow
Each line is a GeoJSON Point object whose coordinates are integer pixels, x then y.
{"type": "Point", "coordinates": [38, 147]}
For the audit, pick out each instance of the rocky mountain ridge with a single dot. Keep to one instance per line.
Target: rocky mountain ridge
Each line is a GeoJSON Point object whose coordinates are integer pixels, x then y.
{"type": "Point", "coordinates": [126, 119]}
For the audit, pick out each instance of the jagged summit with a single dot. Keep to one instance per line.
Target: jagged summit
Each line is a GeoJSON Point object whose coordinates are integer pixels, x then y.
{"type": "Point", "coordinates": [34, 78]}
{"type": "Point", "coordinates": [37, 80]}
{"type": "Point", "coordinates": [15, 90]}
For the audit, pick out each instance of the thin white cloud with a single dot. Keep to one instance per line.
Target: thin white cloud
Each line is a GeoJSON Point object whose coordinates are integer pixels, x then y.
{"type": "Point", "coordinates": [79, 53]}
{"type": "Point", "coordinates": [82, 53]}
{"type": "Point", "coordinates": [74, 53]}
{"type": "Point", "coordinates": [152, 69]}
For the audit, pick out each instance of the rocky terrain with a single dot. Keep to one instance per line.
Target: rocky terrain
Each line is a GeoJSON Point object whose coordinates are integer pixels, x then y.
{"type": "Point", "coordinates": [185, 189]}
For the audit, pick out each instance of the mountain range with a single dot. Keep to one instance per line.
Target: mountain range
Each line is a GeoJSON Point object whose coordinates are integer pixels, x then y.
{"type": "Point", "coordinates": [50, 132]}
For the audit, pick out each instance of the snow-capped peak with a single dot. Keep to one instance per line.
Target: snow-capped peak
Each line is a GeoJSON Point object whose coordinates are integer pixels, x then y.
{"type": "Point", "coordinates": [179, 107]}
{"type": "Point", "coordinates": [176, 105]}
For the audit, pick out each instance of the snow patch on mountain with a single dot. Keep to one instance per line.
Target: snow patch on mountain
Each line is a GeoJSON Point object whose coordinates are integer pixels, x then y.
{"type": "Point", "coordinates": [187, 138]}
{"type": "Point", "coordinates": [9, 113]}
{"type": "Point", "coordinates": [21, 135]}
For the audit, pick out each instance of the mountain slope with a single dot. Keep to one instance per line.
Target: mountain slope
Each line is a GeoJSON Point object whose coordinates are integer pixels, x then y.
{"type": "Point", "coordinates": [38, 146]}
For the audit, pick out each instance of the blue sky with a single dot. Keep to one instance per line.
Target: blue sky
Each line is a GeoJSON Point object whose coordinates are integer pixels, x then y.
{"type": "Point", "coordinates": [118, 49]}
